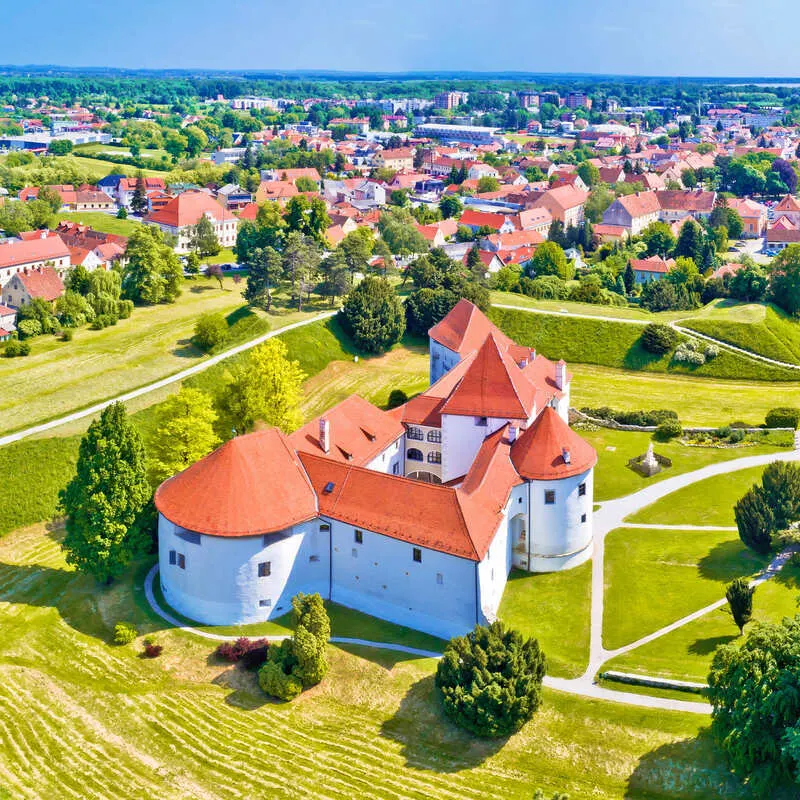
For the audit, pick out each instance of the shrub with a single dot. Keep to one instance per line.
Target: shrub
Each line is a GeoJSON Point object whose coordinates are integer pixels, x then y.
{"type": "Point", "coordinates": [687, 353]}
{"type": "Point", "coordinates": [103, 321]}
{"type": "Point", "coordinates": [66, 335]}
{"type": "Point", "coordinates": [710, 351]}
{"type": "Point", "coordinates": [210, 330]}
{"type": "Point", "coordinates": [275, 682]}
{"type": "Point", "coordinates": [152, 650]}
{"type": "Point", "coordinates": [124, 633]}
{"type": "Point", "coordinates": [667, 430]}
{"type": "Point", "coordinates": [15, 348]}
{"type": "Point", "coordinates": [754, 520]}
{"type": "Point", "coordinates": [28, 328]}
{"type": "Point", "coordinates": [373, 316]}
{"type": "Point", "coordinates": [124, 308]}
{"type": "Point", "coordinates": [396, 398]}
{"type": "Point", "coordinates": [739, 594]}
{"type": "Point", "coordinates": [642, 418]}
{"type": "Point", "coordinates": [783, 418]}
{"type": "Point", "coordinates": [736, 436]}
{"type": "Point", "coordinates": [251, 653]}
{"type": "Point", "coordinates": [490, 681]}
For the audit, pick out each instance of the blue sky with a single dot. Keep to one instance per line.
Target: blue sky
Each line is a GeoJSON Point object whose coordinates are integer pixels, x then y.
{"type": "Point", "coordinates": [677, 37]}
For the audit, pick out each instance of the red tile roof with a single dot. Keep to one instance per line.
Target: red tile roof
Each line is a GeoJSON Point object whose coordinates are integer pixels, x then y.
{"type": "Point", "coordinates": [32, 251]}
{"type": "Point", "coordinates": [187, 209]}
{"type": "Point", "coordinates": [539, 453]}
{"type": "Point", "coordinates": [479, 219]}
{"type": "Point", "coordinates": [41, 282]}
{"type": "Point", "coordinates": [251, 485]}
{"type": "Point", "coordinates": [358, 432]}
{"type": "Point", "coordinates": [652, 264]}
{"type": "Point", "coordinates": [788, 203]}
{"type": "Point", "coordinates": [693, 201]}
{"type": "Point", "coordinates": [465, 329]}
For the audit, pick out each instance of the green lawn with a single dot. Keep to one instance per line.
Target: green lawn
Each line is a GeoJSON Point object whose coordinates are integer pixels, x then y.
{"type": "Point", "coordinates": [617, 344]}
{"type": "Point", "coordinates": [613, 478]}
{"type": "Point", "coordinates": [553, 608]}
{"type": "Point", "coordinates": [759, 327]}
{"type": "Point", "coordinates": [708, 502]}
{"type": "Point", "coordinates": [97, 168]}
{"type": "Point", "coordinates": [698, 401]}
{"type": "Point", "coordinates": [685, 654]}
{"type": "Point", "coordinates": [107, 223]}
{"type": "Point", "coordinates": [184, 725]}
{"type": "Point", "coordinates": [655, 577]}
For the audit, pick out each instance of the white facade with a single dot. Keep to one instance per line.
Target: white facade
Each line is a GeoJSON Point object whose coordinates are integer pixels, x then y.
{"type": "Point", "coordinates": [442, 360]}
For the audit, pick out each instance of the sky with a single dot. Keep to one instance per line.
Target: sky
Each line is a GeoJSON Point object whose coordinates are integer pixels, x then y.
{"type": "Point", "coordinates": [648, 37]}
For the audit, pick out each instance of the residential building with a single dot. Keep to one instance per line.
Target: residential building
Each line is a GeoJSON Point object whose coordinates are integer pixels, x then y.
{"type": "Point", "coordinates": [649, 269]}
{"type": "Point", "coordinates": [633, 212]}
{"type": "Point", "coordinates": [565, 203]}
{"type": "Point", "coordinates": [34, 283]}
{"type": "Point", "coordinates": [467, 134]}
{"type": "Point", "coordinates": [183, 212]}
{"type": "Point", "coordinates": [754, 216]}
{"type": "Point", "coordinates": [37, 249]}
{"type": "Point", "coordinates": [450, 100]}
{"type": "Point", "coordinates": [400, 158]}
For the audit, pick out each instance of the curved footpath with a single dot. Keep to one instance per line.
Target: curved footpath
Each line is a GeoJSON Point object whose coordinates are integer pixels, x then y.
{"type": "Point", "coordinates": [674, 324]}
{"type": "Point", "coordinates": [610, 516]}
{"type": "Point", "coordinates": [159, 384]}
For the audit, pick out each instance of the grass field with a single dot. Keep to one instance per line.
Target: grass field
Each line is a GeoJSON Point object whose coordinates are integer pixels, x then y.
{"type": "Point", "coordinates": [107, 223]}
{"type": "Point", "coordinates": [685, 654]}
{"type": "Point", "coordinates": [96, 148]}
{"type": "Point", "coordinates": [185, 726]}
{"type": "Point", "coordinates": [617, 344]}
{"type": "Point", "coordinates": [759, 327]}
{"type": "Point", "coordinates": [698, 401]}
{"type": "Point", "coordinates": [708, 502]}
{"type": "Point", "coordinates": [613, 478]}
{"type": "Point", "coordinates": [97, 168]}
{"type": "Point", "coordinates": [553, 608]}
{"type": "Point", "coordinates": [655, 577]}
{"type": "Point", "coordinates": [59, 377]}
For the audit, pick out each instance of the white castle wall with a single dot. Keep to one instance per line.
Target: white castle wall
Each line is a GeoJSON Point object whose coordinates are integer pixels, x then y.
{"type": "Point", "coordinates": [442, 360]}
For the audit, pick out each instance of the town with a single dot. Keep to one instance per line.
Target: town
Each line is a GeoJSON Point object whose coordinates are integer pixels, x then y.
{"type": "Point", "coordinates": [441, 434]}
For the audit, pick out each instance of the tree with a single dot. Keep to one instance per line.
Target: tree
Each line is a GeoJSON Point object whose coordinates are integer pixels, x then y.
{"type": "Point", "coordinates": [689, 178]}
{"type": "Point", "coordinates": [306, 184]}
{"type": "Point", "coordinates": [549, 259]}
{"type": "Point", "coordinates": [556, 233]}
{"type": "Point", "coordinates": [15, 218]}
{"type": "Point", "coordinates": [210, 330]}
{"type": "Point", "coordinates": [139, 196]}
{"type": "Point", "coordinates": [185, 432]}
{"type": "Point", "coordinates": [267, 388]}
{"type": "Point", "coordinates": [754, 520]}
{"type": "Point", "coordinates": [690, 242]}
{"type": "Point", "coordinates": [739, 594]}
{"type": "Point", "coordinates": [335, 280]}
{"type": "Point", "coordinates": [659, 239]}
{"type": "Point", "coordinates": [784, 282]}
{"type": "Point", "coordinates": [600, 198]}
{"type": "Point", "coordinates": [152, 273]}
{"type": "Point", "coordinates": [50, 196]}
{"type": "Point", "coordinates": [750, 283]}
{"type": "Point", "coordinates": [300, 261]}
{"type": "Point", "coordinates": [373, 316]}
{"type": "Point", "coordinates": [196, 140]}
{"type": "Point", "coordinates": [450, 206]}
{"type": "Point", "coordinates": [588, 173]}
{"type": "Point", "coordinates": [309, 217]}
{"type": "Point", "coordinates": [474, 265]}
{"type": "Point", "coordinates": [658, 338]}
{"type": "Point", "coordinates": [175, 144]}
{"type": "Point", "coordinates": [488, 183]}
{"type": "Point", "coordinates": [398, 229]}
{"type": "Point", "coordinates": [264, 276]}
{"type": "Point", "coordinates": [629, 279]}
{"type": "Point", "coordinates": [786, 173]}
{"type": "Point", "coordinates": [60, 147]}
{"type": "Point", "coordinates": [490, 681]}
{"type": "Point", "coordinates": [754, 691]}
{"type": "Point", "coordinates": [105, 502]}
{"type": "Point", "coordinates": [356, 249]}
{"type": "Point", "coordinates": [780, 485]}
{"type": "Point", "coordinates": [203, 238]}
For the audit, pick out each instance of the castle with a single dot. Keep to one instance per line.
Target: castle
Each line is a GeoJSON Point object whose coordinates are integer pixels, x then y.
{"type": "Point", "coordinates": [414, 515]}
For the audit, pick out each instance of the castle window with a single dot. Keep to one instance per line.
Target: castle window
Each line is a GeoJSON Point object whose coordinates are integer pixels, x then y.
{"type": "Point", "coordinates": [181, 561]}
{"type": "Point", "coordinates": [415, 433]}
{"type": "Point", "coordinates": [582, 490]}
{"type": "Point", "coordinates": [414, 455]}
{"type": "Point", "coordinates": [264, 569]}
{"type": "Point", "coordinates": [324, 528]}
{"type": "Point", "coordinates": [188, 536]}
{"type": "Point", "coordinates": [434, 457]}
{"type": "Point", "coordinates": [583, 517]}
{"type": "Point", "coordinates": [417, 555]}
{"type": "Point", "coordinates": [549, 497]}
{"type": "Point", "coordinates": [265, 603]}
{"type": "Point", "coordinates": [354, 552]}
{"type": "Point", "coordinates": [435, 437]}
{"type": "Point", "coordinates": [439, 578]}
{"type": "Point", "coordinates": [313, 559]}
{"type": "Point", "coordinates": [358, 536]}
{"type": "Point", "coordinates": [481, 422]}
{"type": "Point", "coordinates": [173, 557]}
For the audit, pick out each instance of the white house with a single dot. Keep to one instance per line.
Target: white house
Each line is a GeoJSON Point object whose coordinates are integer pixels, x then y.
{"type": "Point", "coordinates": [414, 515]}
{"type": "Point", "coordinates": [182, 213]}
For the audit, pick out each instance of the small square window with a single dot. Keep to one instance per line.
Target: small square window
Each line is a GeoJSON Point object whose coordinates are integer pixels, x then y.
{"type": "Point", "coordinates": [583, 517]}
{"type": "Point", "coordinates": [549, 497]}
{"type": "Point", "coordinates": [439, 578]}
{"type": "Point", "coordinates": [354, 552]}
{"type": "Point", "coordinates": [358, 536]}
{"type": "Point", "coordinates": [481, 421]}
{"type": "Point", "coordinates": [324, 528]}
{"type": "Point", "coordinates": [173, 557]}
{"type": "Point", "coordinates": [417, 555]}
{"type": "Point", "coordinates": [264, 569]}
{"type": "Point", "coordinates": [265, 603]}
{"type": "Point", "coordinates": [313, 559]}
{"type": "Point", "coordinates": [581, 490]}
{"type": "Point", "coordinates": [181, 561]}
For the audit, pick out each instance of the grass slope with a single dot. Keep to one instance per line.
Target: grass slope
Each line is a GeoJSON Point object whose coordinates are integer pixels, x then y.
{"type": "Point", "coordinates": [617, 344]}
{"type": "Point", "coordinates": [553, 608]}
{"type": "Point", "coordinates": [655, 577]}
{"type": "Point", "coordinates": [186, 726]}
{"type": "Point", "coordinates": [761, 328]}
{"type": "Point", "coordinates": [708, 502]}
{"type": "Point", "coordinates": [686, 653]}
{"type": "Point", "coordinates": [107, 223]}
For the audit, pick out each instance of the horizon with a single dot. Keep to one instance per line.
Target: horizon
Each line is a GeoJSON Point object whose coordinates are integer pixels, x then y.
{"type": "Point", "coordinates": [719, 39]}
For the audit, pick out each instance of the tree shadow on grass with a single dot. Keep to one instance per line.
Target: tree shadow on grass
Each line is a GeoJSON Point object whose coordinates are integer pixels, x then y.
{"type": "Point", "coordinates": [429, 740]}
{"type": "Point", "coordinates": [388, 659]}
{"type": "Point", "coordinates": [199, 288]}
{"type": "Point", "coordinates": [638, 358]}
{"type": "Point", "coordinates": [246, 693]}
{"type": "Point", "coordinates": [688, 768]}
{"type": "Point", "coordinates": [789, 577]}
{"type": "Point", "coordinates": [730, 559]}
{"type": "Point", "coordinates": [705, 647]}
{"type": "Point", "coordinates": [187, 349]}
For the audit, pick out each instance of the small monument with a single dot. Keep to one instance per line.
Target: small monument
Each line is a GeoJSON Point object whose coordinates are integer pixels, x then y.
{"type": "Point", "coordinates": [649, 464]}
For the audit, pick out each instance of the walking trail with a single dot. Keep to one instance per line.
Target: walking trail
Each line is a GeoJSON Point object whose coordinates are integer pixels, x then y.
{"type": "Point", "coordinates": [611, 515]}
{"type": "Point", "coordinates": [159, 384]}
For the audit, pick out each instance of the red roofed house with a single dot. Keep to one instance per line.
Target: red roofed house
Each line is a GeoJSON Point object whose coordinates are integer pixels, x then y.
{"type": "Point", "coordinates": [649, 269]}
{"type": "Point", "coordinates": [633, 212]}
{"type": "Point", "coordinates": [37, 249]}
{"type": "Point", "coordinates": [127, 186]}
{"type": "Point", "coordinates": [414, 515]}
{"type": "Point", "coordinates": [31, 284]}
{"type": "Point", "coordinates": [184, 211]}
{"type": "Point", "coordinates": [475, 220]}
{"type": "Point", "coordinates": [564, 203]}
{"type": "Point", "coordinates": [754, 216]}
{"type": "Point", "coordinates": [788, 207]}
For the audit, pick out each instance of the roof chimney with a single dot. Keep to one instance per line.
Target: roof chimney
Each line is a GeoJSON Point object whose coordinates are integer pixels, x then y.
{"type": "Point", "coordinates": [324, 434]}
{"type": "Point", "coordinates": [43, 235]}
{"type": "Point", "coordinates": [566, 455]}
{"type": "Point", "coordinates": [561, 374]}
